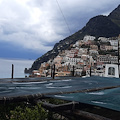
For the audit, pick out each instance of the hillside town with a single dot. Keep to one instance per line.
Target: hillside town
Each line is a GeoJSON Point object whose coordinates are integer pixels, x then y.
{"type": "Point", "coordinates": [91, 53]}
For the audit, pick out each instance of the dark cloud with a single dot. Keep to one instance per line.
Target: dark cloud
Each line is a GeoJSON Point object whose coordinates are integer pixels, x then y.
{"type": "Point", "coordinates": [36, 25]}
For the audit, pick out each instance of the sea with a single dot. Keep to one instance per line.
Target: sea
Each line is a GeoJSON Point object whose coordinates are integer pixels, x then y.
{"type": "Point", "coordinates": [19, 66]}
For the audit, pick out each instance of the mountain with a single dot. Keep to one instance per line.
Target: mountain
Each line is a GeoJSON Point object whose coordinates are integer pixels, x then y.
{"type": "Point", "coordinates": [99, 26]}
{"type": "Point", "coordinates": [115, 16]}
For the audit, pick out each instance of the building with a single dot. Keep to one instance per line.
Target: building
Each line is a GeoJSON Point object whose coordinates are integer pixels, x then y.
{"type": "Point", "coordinates": [103, 39]}
{"type": "Point", "coordinates": [72, 53]}
{"type": "Point", "coordinates": [111, 70]}
{"type": "Point", "coordinates": [102, 47]}
{"type": "Point", "coordinates": [65, 73]}
{"type": "Point", "coordinates": [57, 61]}
{"type": "Point", "coordinates": [93, 52]}
{"type": "Point", "coordinates": [79, 43]}
{"type": "Point", "coordinates": [72, 61]}
{"type": "Point", "coordinates": [82, 51]}
{"type": "Point", "coordinates": [88, 37]}
{"type": "Point", "coordinates": [94, 47]}
{"type": "Point", "coordinates": [114, 42]}
{"type": "Point", "coordinates": [43, 68]}
{"type": "Point", "coordinates": [107, 59]}
{"type": "Point", "coordinates": [108, 47]}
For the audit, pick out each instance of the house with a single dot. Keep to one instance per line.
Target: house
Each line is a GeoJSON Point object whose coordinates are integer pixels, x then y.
{"type": "Point", "coordinates": [93, 52]}
{"type": "Point", "coordinates": [84, 57]}
{"type": "Point", "coordinates": [72, 61]}
{"type": "Point", "coordinates": [94, 47]}
{"type": "Point", "coordinates": [99, 65]}
{"type": "Point", "coordinates": [35, 73]}
{"type": "Point", "coordinates": [107, 59]}
{"type": "Point", "coordinates": [108, 47]}
{"type": "Point", "coordinates": [72, 53]}
{"type": "Point", "coordinates": [114, 42]}
{"type": "Point", "coordinates": [103, 39]}
{"type": "Point", "coordinates": [67, 73]}
{"type": "Point", "coordinates": [89, 42]}
{"type": "Point", "coordinates": [57, 61]}
{"type": "Point", "coordinates": [102, 47]}
{"type": "Point", "coordinates": [82, 51]}
{"type": "Point", "coordinates": [43, 68]}
{"type": "Point", "coordinates": [88, 37]}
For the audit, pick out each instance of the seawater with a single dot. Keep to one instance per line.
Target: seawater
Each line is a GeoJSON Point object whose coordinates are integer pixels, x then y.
{"type": "Point", "coordinates": [19, 66]}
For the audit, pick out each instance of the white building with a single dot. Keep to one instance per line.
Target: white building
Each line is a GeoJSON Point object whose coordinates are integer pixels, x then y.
{"type": "Point", "coordinates": [93, 52]}
{"type": "Point", "coordinates": [114, 42]}
{"type": "Point", "coordinates": [103, 39]}
{"type": "Point", "coordinates": [71, 61]}
{"type": "Point", "coordinates": [82, 51]}
{"type": "Point", "coordinates": [88, 37]}
{"type": "Point", "coordinates": [111, 70]}
{"type": "Point", "coordinates": [107, 58]}
{"type": "Point", "coordinates": [115, 48]}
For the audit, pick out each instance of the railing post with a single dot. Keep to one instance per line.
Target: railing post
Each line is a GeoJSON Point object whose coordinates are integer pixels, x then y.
{"type": "Point", "coordinates": [53, 72]}
{"type": "Point", "coordinates": [73, 71]}
{"type": "Point", "coordinates": [12, 71]}
{"type": "Point", "coordinates": [90, 71]}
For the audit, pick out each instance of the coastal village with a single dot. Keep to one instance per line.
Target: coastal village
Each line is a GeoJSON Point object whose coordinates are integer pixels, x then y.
{"type": "Point", "coordinates": [89, 54]}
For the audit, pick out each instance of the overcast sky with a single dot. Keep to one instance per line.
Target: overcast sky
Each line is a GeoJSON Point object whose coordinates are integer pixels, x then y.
{"type": "Point", "coordinates": [29, 28]}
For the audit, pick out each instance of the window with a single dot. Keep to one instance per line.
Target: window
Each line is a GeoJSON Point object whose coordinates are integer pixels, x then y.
{"type": "Point", "coordinates": [111, 71]}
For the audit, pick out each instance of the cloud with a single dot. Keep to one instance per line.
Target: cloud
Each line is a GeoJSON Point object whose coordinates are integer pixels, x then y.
{"type": "Point", "coordinates": [37, 24]}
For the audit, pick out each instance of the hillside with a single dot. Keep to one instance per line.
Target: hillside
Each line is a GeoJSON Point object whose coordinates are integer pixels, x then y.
{"type": "Point", "coordinates": [107, 26]}
{"type": "Point", "coordinates": [115, 16]}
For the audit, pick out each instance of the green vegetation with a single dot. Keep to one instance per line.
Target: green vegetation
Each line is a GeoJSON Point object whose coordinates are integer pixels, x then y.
{"type": "Point", "coordinates": [56, 101]}
{"type": "Point", "coordinates": [22, 111]}
{"type": "Point", "coordinates": [33, 113]}
{"type": "Point", "coordinates": [27, 111]}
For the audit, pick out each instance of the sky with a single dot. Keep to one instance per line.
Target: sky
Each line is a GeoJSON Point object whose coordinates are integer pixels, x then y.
{"type": "Point", "coordinates": [30, 28]}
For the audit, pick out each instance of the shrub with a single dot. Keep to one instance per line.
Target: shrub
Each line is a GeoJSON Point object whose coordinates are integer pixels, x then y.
{"type": "Point", "coordinates": [27, 113]}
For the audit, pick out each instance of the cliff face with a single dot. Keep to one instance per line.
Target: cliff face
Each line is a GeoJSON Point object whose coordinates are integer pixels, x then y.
{"type": "Point", "coordinates": [106, 26]}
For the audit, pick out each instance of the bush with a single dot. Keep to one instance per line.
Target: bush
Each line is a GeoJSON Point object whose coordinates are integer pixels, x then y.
{"type": "Point", "coordinates": [33, 113]}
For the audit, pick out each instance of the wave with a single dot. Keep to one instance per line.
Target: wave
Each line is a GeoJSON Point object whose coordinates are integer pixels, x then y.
{"type": "Point", "coordinates": [49, 84]}
{"type": "Point", "coordinates": [98, 102]}
{"type": "Point", "coordinates": [96, 93]}
{"type": "Point", "coordinates": [63, 96]}
{"type": "Point", "coordinates": [29, 82]}
{"type": "Point", "coordinates": [59, 87]}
